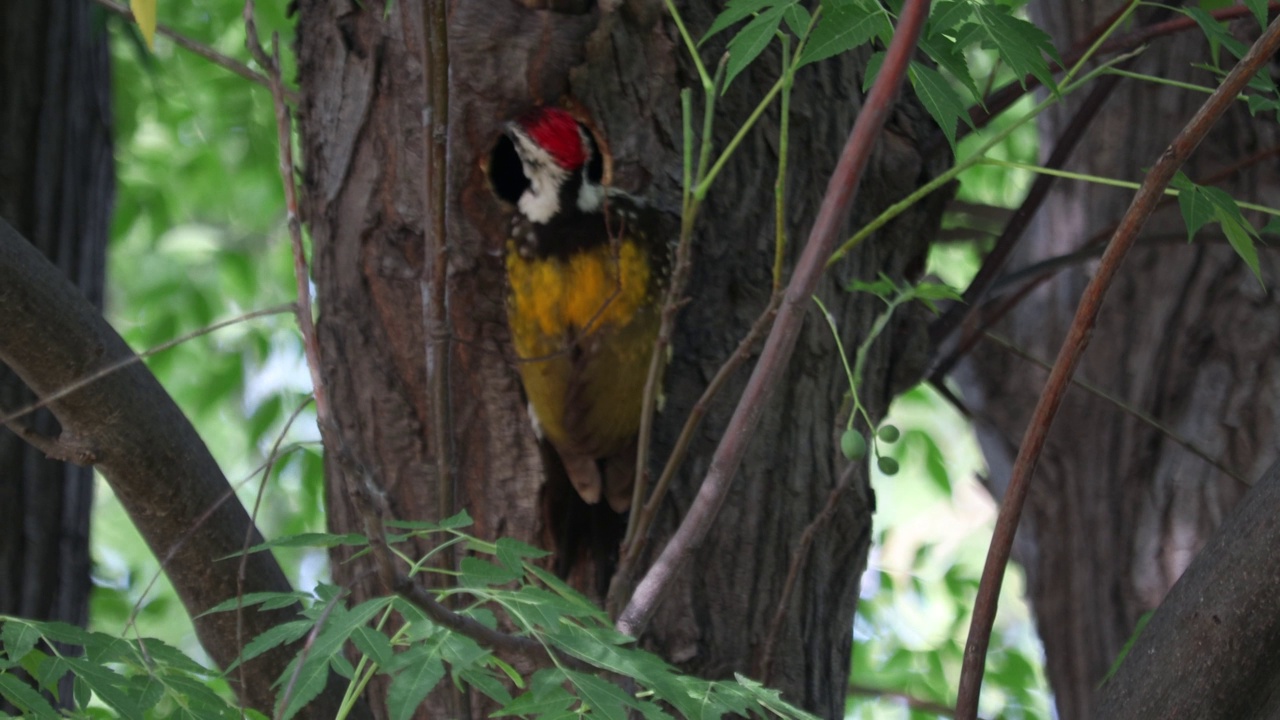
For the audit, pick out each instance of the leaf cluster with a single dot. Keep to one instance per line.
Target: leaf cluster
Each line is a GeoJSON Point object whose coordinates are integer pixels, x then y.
{"type": "Point", "coordinates": [499, 584]}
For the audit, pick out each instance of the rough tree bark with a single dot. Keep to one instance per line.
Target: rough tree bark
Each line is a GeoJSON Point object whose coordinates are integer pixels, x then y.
{"type": "Point", "coordinates": [56, 188]}
{"type": "Point", "coordinates": [1117, 509]}
{"type": "Point", "coordinates": [361, 83]}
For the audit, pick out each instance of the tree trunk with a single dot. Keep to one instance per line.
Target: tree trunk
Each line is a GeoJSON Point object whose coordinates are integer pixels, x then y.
{"type": "Point", "coordinates": [56, 187]}
{"type": "Point", "coordinates": [1118, 509]}
{"type": "Point", "coordinates": [362, 90]}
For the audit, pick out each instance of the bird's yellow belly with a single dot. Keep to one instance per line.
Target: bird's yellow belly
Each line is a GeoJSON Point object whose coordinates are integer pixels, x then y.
{"type": "Point", "coordinates": [583, 328]}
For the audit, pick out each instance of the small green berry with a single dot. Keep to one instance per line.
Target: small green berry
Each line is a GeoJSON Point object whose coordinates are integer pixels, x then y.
{"type": "Point", "coordinates": [853, 445]}
{"type": "Point", "coordinates": [888, 433]}
{"type": "Point", "coordinates": [887, 465]}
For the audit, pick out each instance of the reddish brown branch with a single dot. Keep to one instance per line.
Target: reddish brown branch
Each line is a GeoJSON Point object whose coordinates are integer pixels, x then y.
{"type": "Point", "coordinates": [781, 342]}
{"type": "Point", "coordinates": [301, 276]}
{"type": "Point", "coordinates": [1144, 203]}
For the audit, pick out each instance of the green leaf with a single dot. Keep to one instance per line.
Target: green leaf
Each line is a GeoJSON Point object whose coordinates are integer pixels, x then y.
{"type": "Point", "coordinates": [734, 10]}
{"type": "Point", "coordinates": [798, 19]}
{"type": "Point", "coordinates": [529, 704]}
{"type": "Point", "coordinates": [1217, 33]}
{"type": "Point", "coordinates": [23, 697]}
{"type": "Point", "coordinates": [1128, 645]}
{"type": "Point", "coordinates": [1260, 10]}
{"type": "Point", "coordinates": [479, 678]}
{"type": "Point", "coordinates": [882, 288]}
{"type": "Point", "coordinates": [1241, 240]}
{"type": "Point", "coordinates": [308, 540]}
{"type": "Point", "coordinates": [939, 99]}
{"type": "Point", "coordinates": [512, 553]}
{"type": "Point", "coordinates": [106, 685]}
{"type": "Point", "coordinates": [1022, 46]}
{"type": "Point", "coordinates": [841, 29]}
{"type": "Point", "coordinates": [747, 45]}
{"type": "Point", "coordinates": [456, 522]}
{"type": "Point", "coordinates": [946, 15]}
{"type": "Point", "coordinates": [482, 573]}
{"type": "Point", "coordinates": [421, 672]}
{"type": "Point", "coordinates": [951, 57]}
{"type": "Point", "coordinates": [606, 699]}
{"type": "Point", "coordinates": [270, 638]}
{"type": "Point", "coordinates": [936, 291]}
{"type": "Point", "coordinates": [257, 598]}
{"type": "Point", "coordinates": [1195, 207]}
{"type": "Point", "coordinates": [18, 638]}
{"type": "Point", "coordinates": [55, 631]}
{"type": "Point", "coordinates": [305, 685]}
{"type": "Point", "coordinates": [373, 644]}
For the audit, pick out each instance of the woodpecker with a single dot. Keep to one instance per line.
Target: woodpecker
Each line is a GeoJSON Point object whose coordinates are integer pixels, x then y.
{"type": "Point", "coordinates": [586, 268]}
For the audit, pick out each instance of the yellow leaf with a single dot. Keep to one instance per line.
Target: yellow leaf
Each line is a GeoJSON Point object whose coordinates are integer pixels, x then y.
{"type": "Point", "coordinates": [144, 11]}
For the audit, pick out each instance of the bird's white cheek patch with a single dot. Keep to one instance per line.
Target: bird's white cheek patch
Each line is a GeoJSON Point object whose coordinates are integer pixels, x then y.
{"type": "Point", "coordinates": [590, 197]}
{"type": "Point", "coordinates": [542, 200]}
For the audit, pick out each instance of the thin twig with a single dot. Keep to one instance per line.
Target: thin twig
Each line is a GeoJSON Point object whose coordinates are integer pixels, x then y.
{"type": "Point", "coordinates": [117, 366]}
{"type": "Point", "coordinates": [289, 688]}
{"type": "Point", "coordinates": [1128, 409]}
{"type": "Point", "coordinates": [649, 510]}
{"type": "Point", "coordinates": [253, 517]}
{"type": "Point", "coordinates": [911, 701]}
{"type": "Point", "coordinates": [1144, 203]}
{"type": "Point", "coordinates": [764, 662]}
{"type": "Point", "coordinates": [204, 51]}
{"type": "Point", "coordinates": [781, 342]}
{"type": "Point", "coordinates": [301, 276]}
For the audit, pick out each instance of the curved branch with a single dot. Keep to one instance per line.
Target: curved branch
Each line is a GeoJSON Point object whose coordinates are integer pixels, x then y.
{"type": "Point", "coordinates": [1210, 649]}
{"type": "Point", "coordinates": [153, 459]}
{"type": "Point", "coordinates": [1144, 203]}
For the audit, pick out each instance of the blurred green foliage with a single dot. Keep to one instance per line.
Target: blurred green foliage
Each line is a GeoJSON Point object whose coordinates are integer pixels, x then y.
{"type": "Point", "coordinates": [198, 237]}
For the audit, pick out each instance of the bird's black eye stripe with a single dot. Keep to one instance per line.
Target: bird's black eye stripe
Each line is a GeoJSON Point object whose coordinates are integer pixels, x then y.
{"type": "Point", "coordinates": [506, 173]}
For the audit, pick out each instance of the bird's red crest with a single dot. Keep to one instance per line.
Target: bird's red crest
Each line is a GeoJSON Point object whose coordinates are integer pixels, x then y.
{"type": "Point", "coordinates": [556, 131]}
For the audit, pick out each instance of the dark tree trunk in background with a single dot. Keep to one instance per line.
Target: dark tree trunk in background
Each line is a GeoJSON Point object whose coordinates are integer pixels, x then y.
{"type": "Point", "coordinates": [361, 115]}
{"type": "Point", "coordinates": [57, 182]}
{"type": "Point", "coordinates": [1118, 510]}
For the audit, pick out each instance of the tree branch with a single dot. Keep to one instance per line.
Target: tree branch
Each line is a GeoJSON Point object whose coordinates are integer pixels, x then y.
{"type": "Point", "coordinates": [1144, 203]}
{"type": "Point", "coordinates": [153, 459]}
{"type": "Point", "coordinates": [781, 341]}
{"type": "Point", "coordinates": [1210, 650]}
